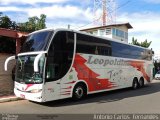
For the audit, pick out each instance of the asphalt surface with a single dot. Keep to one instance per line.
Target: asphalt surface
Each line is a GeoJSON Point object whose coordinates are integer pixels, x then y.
{"type": "Point", "coordinates": [144, 100]}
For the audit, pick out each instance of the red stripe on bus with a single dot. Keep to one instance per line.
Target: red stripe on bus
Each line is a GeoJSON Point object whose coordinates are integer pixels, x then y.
{"type": "Point", "coordinates": [140, 67]}
{"type": "Point", "coordinates": [67, 87]}
{"type": "Point", "coordinates": [88, 75]}
{"type": "Point", "coordinates": [70, 82]}
{"type": "Point", "coordinates": [28, 85]}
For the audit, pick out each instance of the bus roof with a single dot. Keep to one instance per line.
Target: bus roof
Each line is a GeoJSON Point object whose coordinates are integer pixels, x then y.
{"type": "Point", "coordinates": [76, 31]}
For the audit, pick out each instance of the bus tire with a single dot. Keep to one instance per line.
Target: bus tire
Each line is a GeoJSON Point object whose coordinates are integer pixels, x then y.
{"type": "Point", "coordinates": [141, 82]}
{"type": "Point", "coordinates": [79, 92]}
{"type": "Point", "coordinates": [135, 83]}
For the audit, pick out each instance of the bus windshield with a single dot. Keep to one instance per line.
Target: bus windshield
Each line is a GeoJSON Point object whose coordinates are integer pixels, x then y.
{"type": "Point", "coordinates": [25, 70]}
{"type": "Point", "coordinates": [36, 41]}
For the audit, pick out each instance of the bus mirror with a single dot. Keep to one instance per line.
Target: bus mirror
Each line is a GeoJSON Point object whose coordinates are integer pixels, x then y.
{"type": "Point", "coordinates": [6, 62]}
{"type": "Point", "coordinates": [36, 61]}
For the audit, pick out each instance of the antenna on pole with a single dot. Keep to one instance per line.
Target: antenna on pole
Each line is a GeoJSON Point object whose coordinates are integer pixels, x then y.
{"type": "Point", "coordinates": [104, 12]}
{"type": "Point", "coordinates": [104, 15]}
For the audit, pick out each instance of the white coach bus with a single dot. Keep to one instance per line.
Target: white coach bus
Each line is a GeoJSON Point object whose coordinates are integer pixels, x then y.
{"type": "Point", "coordinates": [62, 63]}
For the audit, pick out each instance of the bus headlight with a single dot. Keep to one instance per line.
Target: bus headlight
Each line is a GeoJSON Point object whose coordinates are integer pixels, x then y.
{"type": "Point", "coordinates": [35, 91]}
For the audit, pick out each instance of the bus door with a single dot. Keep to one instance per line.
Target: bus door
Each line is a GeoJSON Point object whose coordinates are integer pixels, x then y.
{"type": "Point", "coordinates": [52, 81]}
{"type": "Point", "coordinates": [58, 62]}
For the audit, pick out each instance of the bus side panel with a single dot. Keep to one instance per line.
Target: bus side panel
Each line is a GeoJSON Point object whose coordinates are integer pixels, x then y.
{"type": "Point", "coordinates": [67, 84]}
{"type": "Point", "coordinates": [103, 73]}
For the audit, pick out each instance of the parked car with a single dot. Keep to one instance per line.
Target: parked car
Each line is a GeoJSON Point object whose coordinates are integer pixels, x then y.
{"type": "Point", "coordinates": [157, 75]}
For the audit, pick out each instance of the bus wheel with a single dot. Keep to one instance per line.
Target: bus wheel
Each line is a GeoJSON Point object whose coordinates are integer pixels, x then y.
{"type": "Point", "coordinates": [78, 92]}
{"type": "Point", "coordinates": [141, 82]}
{"type": "Point", "coordinates": [135, 84]}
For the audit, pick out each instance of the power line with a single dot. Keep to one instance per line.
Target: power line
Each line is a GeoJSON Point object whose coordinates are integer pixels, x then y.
{"type": "Point", "coordinates": [124, 4]}
{"type": "Point", "coordinates": [120, 6]}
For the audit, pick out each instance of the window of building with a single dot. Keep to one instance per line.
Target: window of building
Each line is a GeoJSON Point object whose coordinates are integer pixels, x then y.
{"type": "Point", "coordinates": [108, 31]}
{"type": "Point", "coordinates": [119, 33]}
{"type": "Point", "coordinates": [94, 32]}
{"type": "Point", "coordinates": [90, 32]}
{"type": "Point", "coordinates": [101, 32]}
{"type": "Point", "coordinates": [114, 31]}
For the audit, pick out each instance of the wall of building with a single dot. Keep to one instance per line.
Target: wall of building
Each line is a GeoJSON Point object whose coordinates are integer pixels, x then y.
{"type": "Point", "coordinates": [6, 82]}
{"type": "Point", "coordinates": [99, 32]}
{"type": "Point", "coordinates": [124, 28]}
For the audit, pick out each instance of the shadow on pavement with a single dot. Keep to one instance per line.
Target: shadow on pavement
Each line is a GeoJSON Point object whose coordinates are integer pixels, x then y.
{"type": "Point", "coordinates": [109, 96]}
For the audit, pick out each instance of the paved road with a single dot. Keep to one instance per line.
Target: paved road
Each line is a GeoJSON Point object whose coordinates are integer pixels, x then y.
{"type": "Point", "coordinates": [145, 100]}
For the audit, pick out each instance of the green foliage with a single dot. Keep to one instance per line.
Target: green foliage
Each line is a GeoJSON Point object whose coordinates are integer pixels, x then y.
{"type": "Point", "coordinates": [33, 24]}
{"type": "Point", "coordinates": [5, 22]}
{"type": "Point", "coordinates": [8, 45]}
{"type": "Point", "coordinates": [145, 43]}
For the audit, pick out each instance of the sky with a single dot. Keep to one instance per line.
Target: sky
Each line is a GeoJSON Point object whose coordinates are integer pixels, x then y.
{"type": "Point", "coordinates": [143, 15]}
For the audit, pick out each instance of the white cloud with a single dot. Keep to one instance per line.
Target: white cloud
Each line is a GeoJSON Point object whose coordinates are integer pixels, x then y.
{"type": "Point", "coordinates": [67, 12]}
{"type": "Point", "coordinates": [6, 2]}
{"type": "Point", "coordinates": [10, 8]}
{"type": "Point", "coordinates": [55, 11]}
{"type": "Point", "coordinates": [143, 21]}
{"type": "Point", "coordinates": [146, 25]}
{"type": "Point", "coordinates": [76, 15]}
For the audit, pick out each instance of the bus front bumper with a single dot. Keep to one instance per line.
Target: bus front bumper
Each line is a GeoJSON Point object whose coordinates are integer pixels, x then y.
{"type": "Point", "coordinates": [37, 97]}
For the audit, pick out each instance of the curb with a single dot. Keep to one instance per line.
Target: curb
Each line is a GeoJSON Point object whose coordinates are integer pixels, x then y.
{"type": "Point", "coordinates": [9, 99]}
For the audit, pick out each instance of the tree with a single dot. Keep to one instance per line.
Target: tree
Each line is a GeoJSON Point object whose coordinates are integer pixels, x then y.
{"type": "Point", "coordinates": [34, 23]}
{"type": "Point", "coordinates": [5, 22]}
{"type": "Point", "coordinates": [135, 42]}
{"type": "Point", "coordinates": [41, 22]}
{"type": "Point", "coordinates": [7, 44]}
{"type": "Point", "coordinates": [145, 43]}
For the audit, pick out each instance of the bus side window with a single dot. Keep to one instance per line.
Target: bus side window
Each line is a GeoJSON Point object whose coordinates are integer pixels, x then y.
{"type": "Point", "coordinates": [60, 55]}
